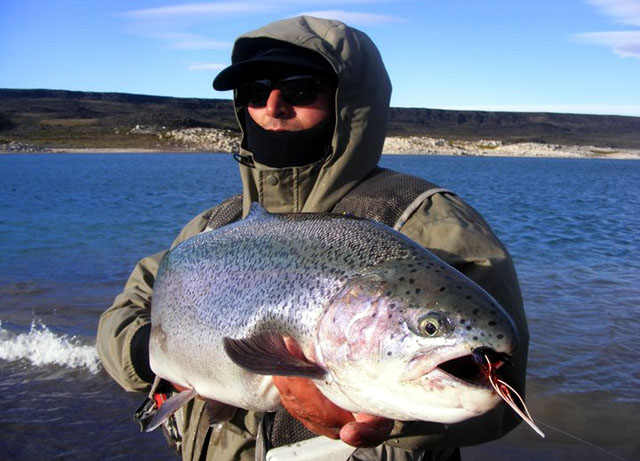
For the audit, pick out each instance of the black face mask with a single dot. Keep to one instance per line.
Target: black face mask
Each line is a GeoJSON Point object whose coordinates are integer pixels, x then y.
{"type": "Point", "coordinates": [281, 149]}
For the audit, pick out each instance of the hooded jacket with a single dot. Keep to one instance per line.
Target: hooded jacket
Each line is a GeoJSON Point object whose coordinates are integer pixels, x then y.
{"type": "Point", "coordinates": [443, 223]}
{"type": "Point", "coordinates": [361, 106]}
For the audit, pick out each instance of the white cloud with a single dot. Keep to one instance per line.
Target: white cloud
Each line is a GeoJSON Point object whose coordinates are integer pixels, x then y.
{"type": "Point", "coordinates": [622, 11]}
{"type": "Point", "coordinates": [173, 23]}
{"type": "Point", "coordinates": [198, 9]}
{"type": "Point", "coordinates": [355, 18]}
{"type": "Point", "coordinates": [210, 66]}
{"type": "Point", "coordinates": [623, 43]}
{"type": "Point", "coordinates": [186, 41]}
{"type": "Point", "coordinates": [239, 7]}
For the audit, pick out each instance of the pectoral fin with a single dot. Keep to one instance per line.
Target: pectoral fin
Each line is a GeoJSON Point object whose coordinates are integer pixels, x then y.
{"type": "Point", "coordinates": [170, 407]}
{"type": "Point", "coordinates": [266, 354]}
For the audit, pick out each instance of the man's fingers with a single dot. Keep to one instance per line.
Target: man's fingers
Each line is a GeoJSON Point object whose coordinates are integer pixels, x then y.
{"type": "Point", "coordinates": [305, 402]}
{"type": "Point", "coordinates": [366, 430]}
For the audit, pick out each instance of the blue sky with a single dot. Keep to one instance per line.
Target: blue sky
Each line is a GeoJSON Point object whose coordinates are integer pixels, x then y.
{"type": "Point", "coordinates": [579, 56]}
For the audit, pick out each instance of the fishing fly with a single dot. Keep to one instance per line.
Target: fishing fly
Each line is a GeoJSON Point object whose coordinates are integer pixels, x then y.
{"type": "Point", "coordinates": [504, 390]}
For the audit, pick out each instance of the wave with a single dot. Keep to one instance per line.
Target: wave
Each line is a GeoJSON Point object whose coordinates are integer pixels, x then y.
{"type": "Point", "coordinates": [40, 346]}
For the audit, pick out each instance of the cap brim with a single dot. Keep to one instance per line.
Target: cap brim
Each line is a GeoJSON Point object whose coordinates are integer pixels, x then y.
{"type": "Point", "coordinates": [264, 67]}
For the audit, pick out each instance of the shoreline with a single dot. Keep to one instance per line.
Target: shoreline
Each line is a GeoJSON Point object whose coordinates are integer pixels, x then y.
{"type": "Point", "coordinates": [211, 140]}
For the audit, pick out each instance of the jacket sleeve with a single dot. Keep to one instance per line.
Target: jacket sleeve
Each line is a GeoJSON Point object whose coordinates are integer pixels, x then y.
{"type": "Point", "coordinates": [457, 233]}
{"type": "Point", "coordinates": [123, 331]}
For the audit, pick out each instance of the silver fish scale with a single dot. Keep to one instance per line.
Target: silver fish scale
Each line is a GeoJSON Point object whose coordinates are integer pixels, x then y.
{"type": "Point", "coordinates": [266, 272]}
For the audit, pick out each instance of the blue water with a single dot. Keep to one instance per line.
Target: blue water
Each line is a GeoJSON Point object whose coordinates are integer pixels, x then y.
{"type": "Point", "coordinates": [73, 226]}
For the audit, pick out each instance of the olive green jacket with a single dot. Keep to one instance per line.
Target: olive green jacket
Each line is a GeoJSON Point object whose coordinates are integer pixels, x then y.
{"type": "Point", "coordinates": [443, 223]}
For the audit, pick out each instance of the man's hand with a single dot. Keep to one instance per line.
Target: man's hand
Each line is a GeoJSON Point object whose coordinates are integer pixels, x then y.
{"type": "Point", "coordinates": [305, 402]}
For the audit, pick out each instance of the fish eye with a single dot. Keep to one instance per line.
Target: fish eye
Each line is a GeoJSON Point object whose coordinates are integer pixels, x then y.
{"type": "Point", "coordinates": [429, 326]}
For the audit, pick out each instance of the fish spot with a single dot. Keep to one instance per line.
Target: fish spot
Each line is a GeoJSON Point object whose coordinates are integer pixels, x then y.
{"type": "Point", "coordinates": [492, 323]}
{"type": "Point", "coordinates": [401, 279]}
{"type": "Point", "coordinates": [475, 338]}
{"type": "Point", "coordinates": [463, 321]}
{"type": "Point", "coordinates": [389, 353]}
{"type": "Point", "coordinates": [392, 306]}
{"type": "Point", "coordinates": [468, 297]}
{"type": "Point", "coordinates": [417, 290]}
{"type": "Point", "coordinates": [500, 336]}
{"type": "Point", "coordinates": [469, 327]}
{"type": "Point", "coordinates": [476, 311]}
{"type": "Point", "coordinates": [442, 289]}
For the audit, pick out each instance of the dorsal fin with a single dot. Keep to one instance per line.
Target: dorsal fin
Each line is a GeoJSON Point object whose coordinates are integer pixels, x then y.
{"type": "Point", "coordinates": [257, 211]}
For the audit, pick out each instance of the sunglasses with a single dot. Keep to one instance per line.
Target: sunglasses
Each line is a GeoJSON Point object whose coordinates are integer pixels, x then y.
{"type": "Point", "coordinates": [301, 90]}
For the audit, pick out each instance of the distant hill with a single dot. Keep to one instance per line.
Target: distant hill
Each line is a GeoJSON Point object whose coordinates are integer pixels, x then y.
{"type": "Point", "coordinates": [58, 118]}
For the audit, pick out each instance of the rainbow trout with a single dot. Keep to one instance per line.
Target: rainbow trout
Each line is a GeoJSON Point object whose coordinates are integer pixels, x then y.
{"type": "Point", "coordinates": [388, 328]}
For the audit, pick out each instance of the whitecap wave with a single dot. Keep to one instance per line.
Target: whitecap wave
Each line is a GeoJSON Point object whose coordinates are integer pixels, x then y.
{"type": "Point", "coordinates": [42, 347]}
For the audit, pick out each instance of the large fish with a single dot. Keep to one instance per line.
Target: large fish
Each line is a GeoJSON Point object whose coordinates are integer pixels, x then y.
{"type": "Point", "coordinates": [389, 329]}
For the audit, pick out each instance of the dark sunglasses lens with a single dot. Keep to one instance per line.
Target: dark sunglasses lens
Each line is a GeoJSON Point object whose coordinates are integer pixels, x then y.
{"type": "Point", "coordinates": [297, 92]}
{"type": "Point", "coordinates": [300, 93]}
{"type": "Point", "coordinates": [255, 94]}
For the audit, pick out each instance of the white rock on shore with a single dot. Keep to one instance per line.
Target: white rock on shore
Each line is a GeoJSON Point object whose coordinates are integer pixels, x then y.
{"type": "Point", "coordinates": [215, 140]}
{"type": "Point", "coordinates": [422, 145]}
{"type": "Point", "coordinates": [218, 140]}
{"type": "Point", "coordinates": [209, 139]}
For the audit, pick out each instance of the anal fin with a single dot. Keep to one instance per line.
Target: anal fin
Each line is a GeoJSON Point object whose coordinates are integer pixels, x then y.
{"type": "Point", "coordinates": [170, 407]}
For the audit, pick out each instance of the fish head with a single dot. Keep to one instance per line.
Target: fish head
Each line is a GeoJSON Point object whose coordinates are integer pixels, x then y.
{"type": "Point", "coordinates": [405, 341]}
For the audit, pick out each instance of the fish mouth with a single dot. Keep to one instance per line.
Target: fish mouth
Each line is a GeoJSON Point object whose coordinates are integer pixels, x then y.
{"type": "Point", "coordinates": [472, 368]}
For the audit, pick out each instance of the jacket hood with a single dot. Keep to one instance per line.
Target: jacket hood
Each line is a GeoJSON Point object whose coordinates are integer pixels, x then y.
{"type": "Point", "coordinates": [361, 107]}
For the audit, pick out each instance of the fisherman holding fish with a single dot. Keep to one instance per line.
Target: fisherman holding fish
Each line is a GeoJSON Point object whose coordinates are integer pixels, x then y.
{"type": "Point", "coordinates": [312, 97]}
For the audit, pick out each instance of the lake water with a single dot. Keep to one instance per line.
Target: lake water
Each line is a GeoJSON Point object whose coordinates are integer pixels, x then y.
{"type": "Point", "coordinates": [73, 226]}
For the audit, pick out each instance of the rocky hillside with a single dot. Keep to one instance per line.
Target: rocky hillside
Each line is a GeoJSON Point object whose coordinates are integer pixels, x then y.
{"type": "Point", "coordinates": [57, 119]}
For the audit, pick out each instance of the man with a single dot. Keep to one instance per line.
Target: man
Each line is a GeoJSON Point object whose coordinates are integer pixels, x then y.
{"type": "Point", "coordinates": [311, 97]}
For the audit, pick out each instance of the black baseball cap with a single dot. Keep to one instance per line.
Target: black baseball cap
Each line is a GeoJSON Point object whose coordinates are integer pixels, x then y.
{"type": "Point", "coordinates": [273, 63]}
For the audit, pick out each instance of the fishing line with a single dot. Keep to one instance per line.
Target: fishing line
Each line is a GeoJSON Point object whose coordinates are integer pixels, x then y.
{"type": "Point", "coordinates": [586, 442]}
